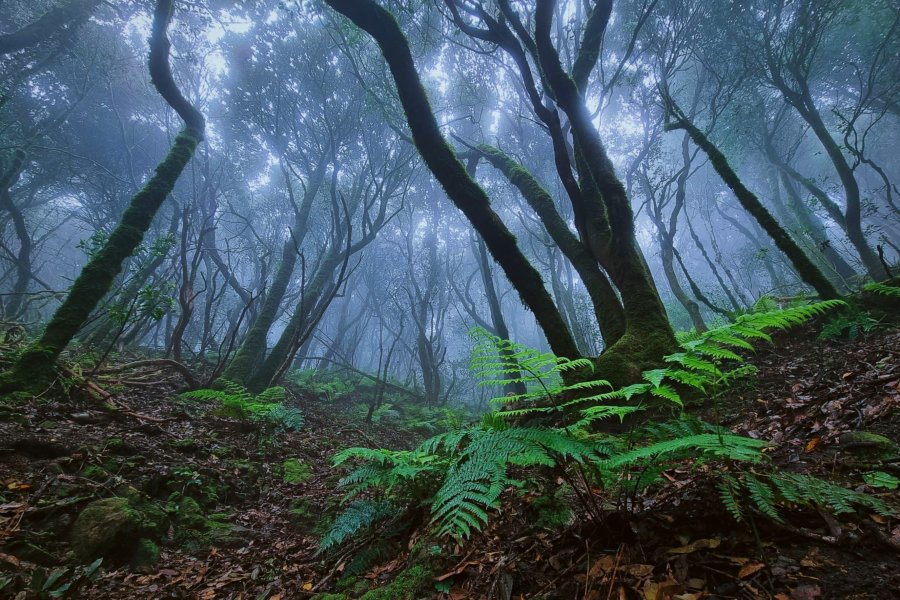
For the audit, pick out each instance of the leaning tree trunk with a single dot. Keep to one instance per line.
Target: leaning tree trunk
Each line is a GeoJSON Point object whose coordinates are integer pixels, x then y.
{"type": "Point", "coordinates": [34, 368]}
{"type": "Point", "coordinates": [607, 224]}
{"type": "Point", "coordinates": [808, 271]}
{"type": "Point", "coordinates": [607, 308]}
{"type": "Point", "coordinates": [71, 14]}
{"type": "Point", "coordinates": [450, 172]}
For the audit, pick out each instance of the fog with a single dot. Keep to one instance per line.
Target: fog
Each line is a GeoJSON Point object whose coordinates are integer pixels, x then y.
{"type": "Point", "coordinates": [318, 215]}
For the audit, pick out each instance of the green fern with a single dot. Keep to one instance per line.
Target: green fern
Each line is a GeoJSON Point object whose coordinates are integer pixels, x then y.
{"type": "Point", "coordinates": [235, 401]}
{"type": "Point", "coordinates": [358, 517]}
{"type": "Point", "coordinates": [462, 474]}
{"type": "Point", "coordinates": [882, 289]}
{"type": "Point", "coordinates": [771, 491]}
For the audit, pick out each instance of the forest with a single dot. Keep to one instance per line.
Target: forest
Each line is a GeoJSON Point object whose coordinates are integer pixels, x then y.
{"type": "Point", "coordinates": [450, 299]}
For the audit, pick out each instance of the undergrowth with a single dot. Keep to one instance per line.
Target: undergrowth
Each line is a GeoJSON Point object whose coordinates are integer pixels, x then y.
{"type": "Point", "coordinates": [461, 476]}
{"type": "Point", "coordinates": [266, 407]}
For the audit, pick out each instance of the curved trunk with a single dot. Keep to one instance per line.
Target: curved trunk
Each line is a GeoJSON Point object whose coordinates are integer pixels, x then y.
{"type": "Point", "coordinates": [607, 308]}
{"type": "Point", "coordinates": [606, 223]}
{"type": "Point", "coordinates": [450, 172]}
{"type": "Point", "coordinates": [71, 14]}
{"type": "Point", "coordinates": [34, 368]}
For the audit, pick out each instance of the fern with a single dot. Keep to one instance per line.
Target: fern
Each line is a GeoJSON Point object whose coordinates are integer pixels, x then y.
{"type": "Point", "coordinates": [882, 289]}
{"type": "Point", "coordinates": [235, 401]}
{"type": "Point", "coordinates": [462, 474]}
{"type": "Point", "coordinates": [360, 516]}
{"type": "Point", "coordinates": [768, 492]}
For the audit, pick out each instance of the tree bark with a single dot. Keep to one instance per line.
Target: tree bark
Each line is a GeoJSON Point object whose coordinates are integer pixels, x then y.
{"type": "Point", "coordinates": [34, 368]}
{"type": "Point", "coordinates": [451, 174]}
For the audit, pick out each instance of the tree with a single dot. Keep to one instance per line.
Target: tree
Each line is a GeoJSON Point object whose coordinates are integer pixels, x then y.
{"type": "Point", "coordinates": [34, 368]}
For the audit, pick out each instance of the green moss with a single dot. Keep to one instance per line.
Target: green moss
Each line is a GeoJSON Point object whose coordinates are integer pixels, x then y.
{"type": "Point", "coordinates": [145, 556]}
{"type": "Point", "coordinates": [551, 511]}
{"type": "Point", "coordinates": [106, 528]}
{"type": "Point", "coordinates": [190, 515]}
{"type": "Point", "coordinates": [34, 370]}
{"type": "Point", "coordinates": [294, 471]}
{"type": "Point", "coordinates": [330, 596]}
{"type": "Point", "coordinates": [408, 585]}
{"type": "Point", "coordinates": [301, 510]}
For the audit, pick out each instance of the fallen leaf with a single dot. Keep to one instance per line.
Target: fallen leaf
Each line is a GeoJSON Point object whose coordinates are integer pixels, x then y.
{"type": "Point", "coordinates": [639, 571]}
{"type": "Point", "coordinates": [806, 592]}
{"type": "Point", "coordinates": [697, 545]}
{"type": "Point", "coordinates": [751, 569]}
{"type": "Point", "coordinates": [812, 444]}
{"type": "Point", "coordinates": [308, 586]}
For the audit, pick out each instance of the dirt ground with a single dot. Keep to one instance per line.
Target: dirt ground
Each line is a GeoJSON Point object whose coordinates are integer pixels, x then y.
{"type": "Point", "coordinates": [810, 399]}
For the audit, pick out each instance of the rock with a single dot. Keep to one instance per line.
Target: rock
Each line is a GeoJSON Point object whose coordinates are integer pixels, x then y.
{"type": "Point", "coordinates": [106, 528]}
{"type": "Point", "coordinates": [190, 515]}
{"type": "Point", "coordinates": [145, 556]}
{"type": "Point", "coordinates": [864, 442]}
{"type": "Point", "coordinates": [37, 448]}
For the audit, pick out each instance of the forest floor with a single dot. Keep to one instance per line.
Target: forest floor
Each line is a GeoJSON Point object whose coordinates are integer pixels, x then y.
{"type": "Point", "coordinates": [257, 505]}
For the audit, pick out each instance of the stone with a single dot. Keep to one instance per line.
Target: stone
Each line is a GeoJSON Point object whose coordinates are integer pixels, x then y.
{"type": "Point", "coordinates": [106, 528]}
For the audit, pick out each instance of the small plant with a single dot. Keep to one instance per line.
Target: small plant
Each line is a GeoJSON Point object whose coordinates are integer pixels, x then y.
{"type": "Point", "coordinates": [850, 323]}
{"type": "Point", "coordinates": [267, 407]}
{"type": "Point", "coordinates": [461, 475]}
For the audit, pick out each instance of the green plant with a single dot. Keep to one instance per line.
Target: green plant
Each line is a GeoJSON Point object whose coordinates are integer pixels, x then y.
{"type": "Point", "coordinates": [267, 406]}
{"type": "Point", "coordinates": [849, 323]}
{"type": "Point", "coordinates": [882, 289]}
{"type": "Point", "coordinates": [461, 475]}
{"type": "Point", "coordinates": [767, 491]}
{"type": "Point", "coordinates": [60, 581]}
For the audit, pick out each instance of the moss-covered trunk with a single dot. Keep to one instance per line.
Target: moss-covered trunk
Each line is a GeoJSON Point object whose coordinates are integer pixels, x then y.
{"type": "Point", "coordinates": [808, 271]}
{"type": "Point", "coordinates": [253, 348]}
{"type": "Point", "coordinates": [606, 224]}
{"type": "Point", "coordinates": [34, 368]}
{"type": "Point", "coordinates": [450, 172]}
{"type": "Point", "coordinates": [607, 308]}
{"type": "Point", "coordinates": [269, 370]}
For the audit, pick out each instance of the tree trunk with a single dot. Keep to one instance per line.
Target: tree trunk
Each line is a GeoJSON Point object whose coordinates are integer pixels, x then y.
{"type": "Point", "coordinates": [444, 164]}
{"type": "Point", "coordinates": [808, 271]}
{"type": "Point", "coordinates": [34, 368]}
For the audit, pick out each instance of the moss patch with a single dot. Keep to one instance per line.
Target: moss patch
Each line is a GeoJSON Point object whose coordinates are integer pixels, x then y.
{"type": "Point", "coordinates": [106, 528]}
{"type": "Point", "coordinates": [408, 585]}
{"type": "Point", "coordinates": [294, 471]}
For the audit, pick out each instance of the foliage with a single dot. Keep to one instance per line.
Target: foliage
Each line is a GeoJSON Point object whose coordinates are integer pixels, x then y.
{"type": "Point", "coordinates": [707, 361]}
{"type": "Point", "coordinates": [357, 517]}
{"type": "Point", "coordinates": [882, 289]}
{"type": "Point", "coordinates": [58, 583]}
{"type": "Point", "coordinates": [849, 323]}
{"type": "Point", "coordinates": [461, 475]}
{"type": "Point", "coordinates": [323, 385]}
{"type": "Point", "coordinates": [765, 492]}
{"type": "Point", "coordinates": [266, 407]}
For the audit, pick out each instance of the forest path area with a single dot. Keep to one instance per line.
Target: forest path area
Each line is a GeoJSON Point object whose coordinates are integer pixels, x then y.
{"type": "Point", "coordinates": [237, 512]}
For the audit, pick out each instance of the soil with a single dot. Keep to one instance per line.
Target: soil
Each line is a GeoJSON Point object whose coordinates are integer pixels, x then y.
{"type": "Point", "coordinates": [678, 542]}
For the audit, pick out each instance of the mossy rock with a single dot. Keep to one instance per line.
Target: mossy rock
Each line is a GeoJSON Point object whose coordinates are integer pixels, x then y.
{"type": "Point", "coordinates": [869, 444]}
{"type": "Point", "coordinates": [294, 471]}
{"type": "Point", "coordinates": [410, 584]}
{"type": "Point", "coordinates": [190, 515]}
{"type": "Point", "coordinates": [145, 556]}
{"type": "Point", "coordinates": [352, 586]}
{"type": "Point", "coordinates": [106, 528]}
